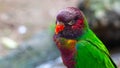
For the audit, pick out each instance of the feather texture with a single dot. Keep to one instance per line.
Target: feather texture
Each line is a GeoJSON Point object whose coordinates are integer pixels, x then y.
{"type": "Point", "coordinates": [91, 53]}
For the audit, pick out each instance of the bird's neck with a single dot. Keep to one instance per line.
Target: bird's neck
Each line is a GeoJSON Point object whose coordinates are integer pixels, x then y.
{"type": "Point", "coordinates": [67, 50]}
{"type": "Point", "coordinates": [85, 34]}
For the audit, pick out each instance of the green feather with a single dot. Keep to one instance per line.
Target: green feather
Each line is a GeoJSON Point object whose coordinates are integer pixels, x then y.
{"type": "Point", "coordinates": [91, 52]}
{"type": "Point", "coordinates": [89, 35]}
{"type": "Point", "coordinates": [89, 56]}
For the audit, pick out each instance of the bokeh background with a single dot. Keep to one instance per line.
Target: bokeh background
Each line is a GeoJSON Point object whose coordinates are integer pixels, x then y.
{"type": "Point", "coordinates": [26, 38]}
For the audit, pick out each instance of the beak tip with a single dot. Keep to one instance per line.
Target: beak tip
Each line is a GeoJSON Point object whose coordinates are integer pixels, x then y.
{"type": "Point", "coordinates": [59, 28]}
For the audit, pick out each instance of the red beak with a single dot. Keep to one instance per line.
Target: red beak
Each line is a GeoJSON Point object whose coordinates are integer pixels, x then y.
{"type": "Point", "coordinates": [59, 27]}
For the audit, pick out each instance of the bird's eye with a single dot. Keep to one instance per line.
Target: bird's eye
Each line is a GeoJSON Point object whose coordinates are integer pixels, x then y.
{"type": "Point", "coordinates": [71, 22]}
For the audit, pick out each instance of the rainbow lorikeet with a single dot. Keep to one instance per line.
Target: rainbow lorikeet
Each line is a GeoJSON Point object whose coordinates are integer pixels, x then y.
{"type": "Point", "coordinates": [78, 45]}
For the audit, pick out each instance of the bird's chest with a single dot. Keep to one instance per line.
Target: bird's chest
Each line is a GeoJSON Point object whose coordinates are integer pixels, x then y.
{"type": "Point", "coordinates": [68, 50]}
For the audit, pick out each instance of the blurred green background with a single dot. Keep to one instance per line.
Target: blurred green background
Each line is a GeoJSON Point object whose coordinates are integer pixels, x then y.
{"type": "Point", "coordinates": [26, 39]}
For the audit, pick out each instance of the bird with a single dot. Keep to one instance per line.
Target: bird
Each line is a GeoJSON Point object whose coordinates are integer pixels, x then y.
{"type": "Point", "coordinates": [78, 45]}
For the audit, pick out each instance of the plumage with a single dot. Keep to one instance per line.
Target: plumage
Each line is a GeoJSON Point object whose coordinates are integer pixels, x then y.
{"type": "Point", "coordinates": [79, 46]}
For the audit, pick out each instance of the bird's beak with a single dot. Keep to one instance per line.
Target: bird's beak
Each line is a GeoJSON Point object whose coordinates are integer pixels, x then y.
{"type": "Point", "coordinates": [59, 27]}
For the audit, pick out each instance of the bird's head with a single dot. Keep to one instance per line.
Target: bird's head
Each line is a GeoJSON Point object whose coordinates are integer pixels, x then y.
{"type": "Point", "coordinates": [69, 23]}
